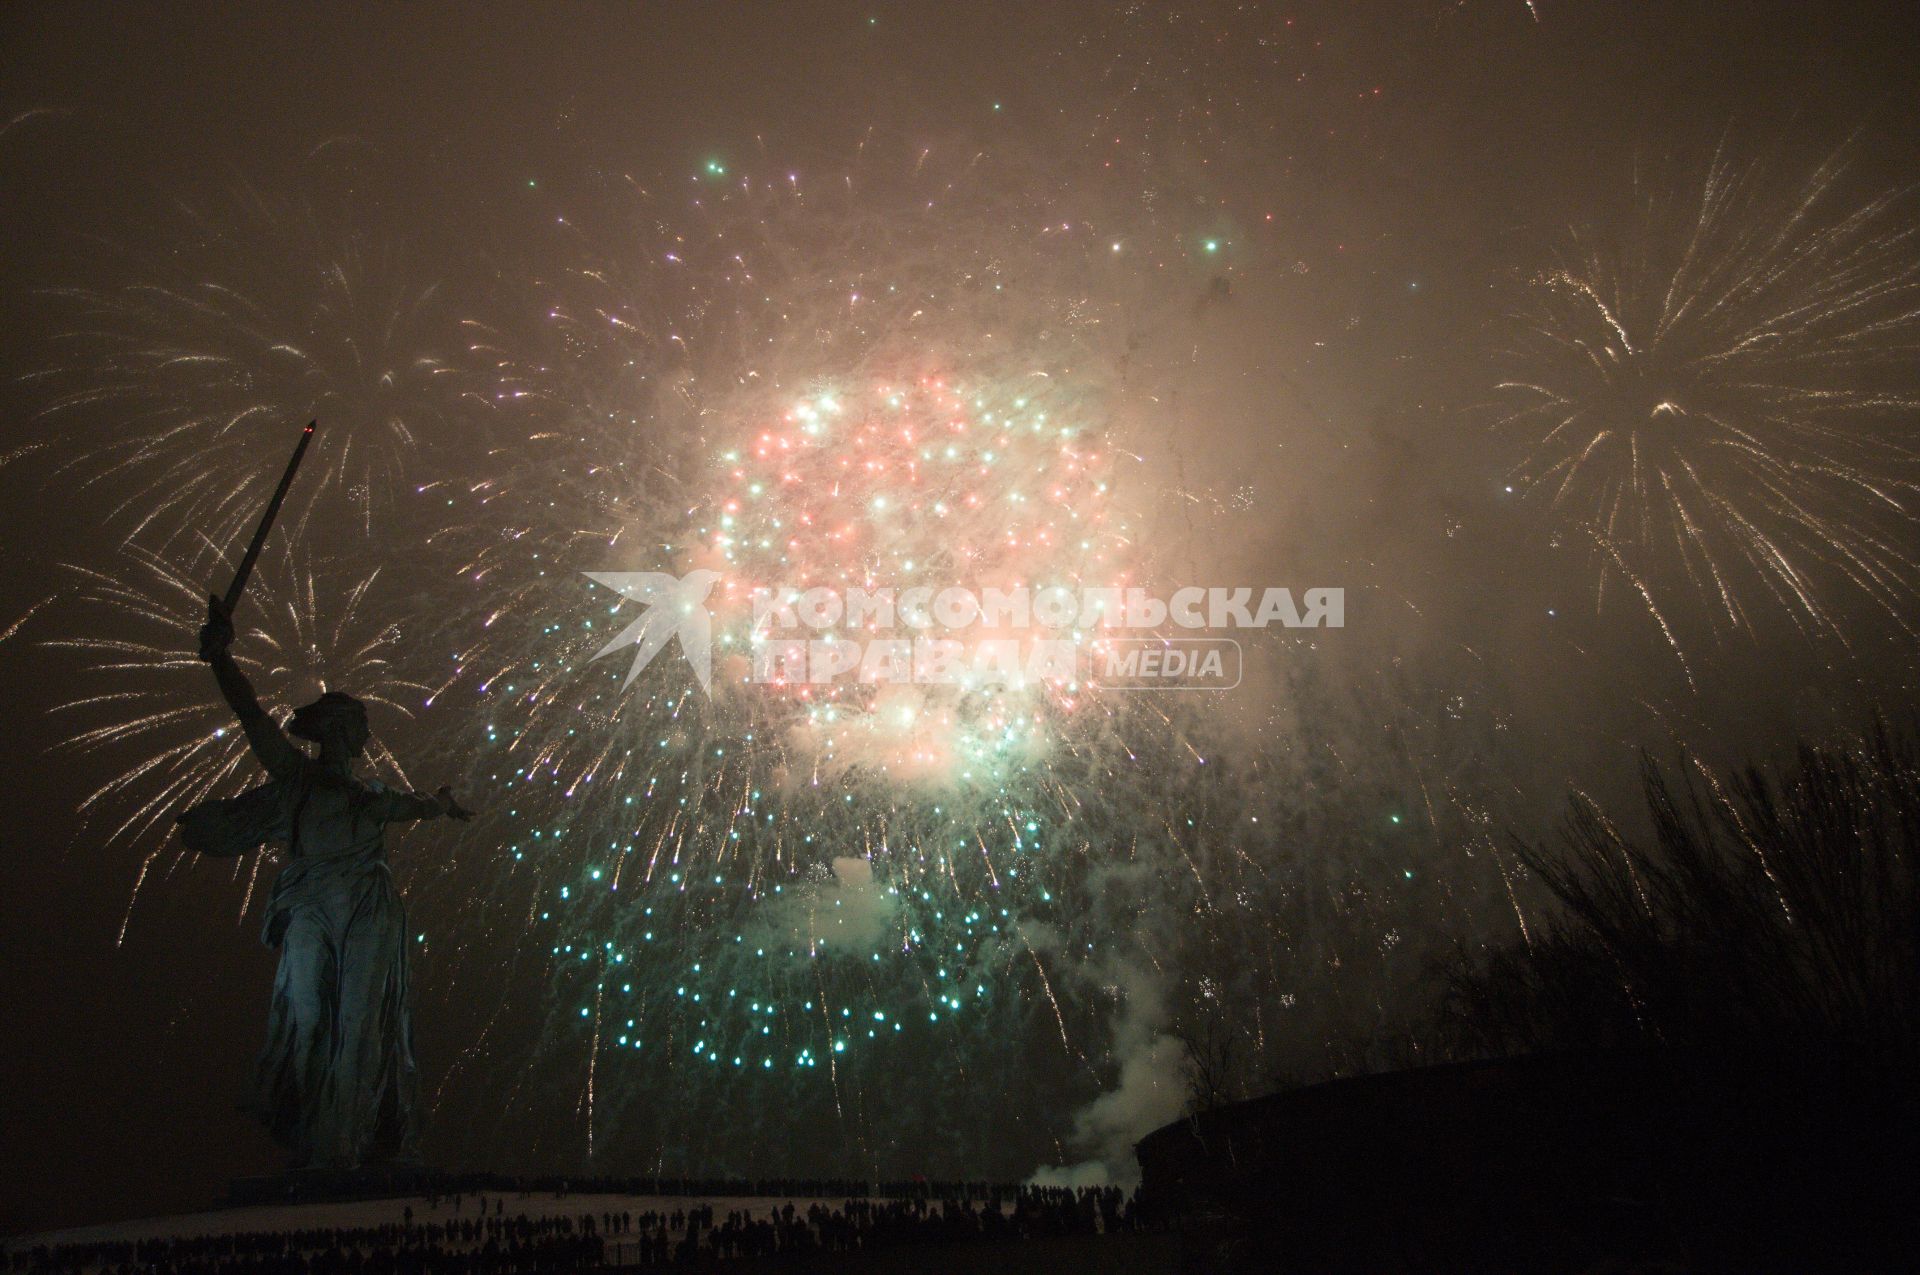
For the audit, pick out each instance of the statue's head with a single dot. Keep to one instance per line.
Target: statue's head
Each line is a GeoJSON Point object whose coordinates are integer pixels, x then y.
{"type": "Point", "coordinates": [336, 720]}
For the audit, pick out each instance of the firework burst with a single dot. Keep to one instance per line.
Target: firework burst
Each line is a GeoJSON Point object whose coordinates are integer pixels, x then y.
{"type": "Point", "coordinates": [151, 706]}
{"type": "Point", "coordinates": [1717, 400]}
{"type": "Point", "coordinates": [225, 324]}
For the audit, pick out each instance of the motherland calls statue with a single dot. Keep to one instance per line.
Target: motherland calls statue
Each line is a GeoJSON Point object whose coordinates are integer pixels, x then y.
{"type": "Point", "coordinates": [337, 1081]}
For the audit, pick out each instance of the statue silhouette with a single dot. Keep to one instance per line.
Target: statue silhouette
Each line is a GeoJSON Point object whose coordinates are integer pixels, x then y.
{"type": "Point", "coordinates": [337, 1081]}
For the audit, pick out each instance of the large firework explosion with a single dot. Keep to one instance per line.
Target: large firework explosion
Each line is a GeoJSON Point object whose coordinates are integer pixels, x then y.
{"type": "Point", "coordinates": [837, 391]}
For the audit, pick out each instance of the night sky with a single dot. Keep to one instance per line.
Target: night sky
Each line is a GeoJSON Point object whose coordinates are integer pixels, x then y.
{"type": "Point", "coordinates": [1575, 341]}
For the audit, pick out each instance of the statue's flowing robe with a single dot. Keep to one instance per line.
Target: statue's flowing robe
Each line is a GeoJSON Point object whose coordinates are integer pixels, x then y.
{"type": "Point", "coordinates": [337, 1082]}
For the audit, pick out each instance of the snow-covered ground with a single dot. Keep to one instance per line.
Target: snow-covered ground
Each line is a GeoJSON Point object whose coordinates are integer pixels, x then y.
{"type": "Point", "coordinates": [359, 1213]}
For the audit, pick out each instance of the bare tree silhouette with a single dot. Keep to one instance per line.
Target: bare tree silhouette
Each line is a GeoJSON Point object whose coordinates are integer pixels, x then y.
{"type": "Point", "coordinates": [1772, 906]}
{"type": "Point", "coordinates": [1211, 1062]}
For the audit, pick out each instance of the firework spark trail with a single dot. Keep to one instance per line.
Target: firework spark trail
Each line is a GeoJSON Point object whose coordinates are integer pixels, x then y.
{"type": "Point", "coordinates": [25, 616]}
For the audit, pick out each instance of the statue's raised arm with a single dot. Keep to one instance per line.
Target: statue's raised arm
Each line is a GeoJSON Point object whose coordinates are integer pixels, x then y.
{"type": "Point", "coordinates": [269, 743]}
{"type": "Point", "coordinates": [333, 718]}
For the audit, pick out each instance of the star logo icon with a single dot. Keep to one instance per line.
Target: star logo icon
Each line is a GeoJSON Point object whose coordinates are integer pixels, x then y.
{"type": "Point", "coordinates": [676, 606]}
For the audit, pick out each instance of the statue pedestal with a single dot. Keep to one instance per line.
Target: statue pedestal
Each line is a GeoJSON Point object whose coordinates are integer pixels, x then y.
{"type": "Point", "coordinates": [304, 1186]}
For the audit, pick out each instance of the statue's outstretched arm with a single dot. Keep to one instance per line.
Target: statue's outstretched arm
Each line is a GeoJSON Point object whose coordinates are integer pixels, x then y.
{"type": "Point", "coordinates": [403, 806]}
{"type": "Point", "coordinates": [270, 745]}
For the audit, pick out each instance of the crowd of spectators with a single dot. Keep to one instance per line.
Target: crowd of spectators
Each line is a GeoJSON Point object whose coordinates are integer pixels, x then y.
{"type": "Point", "coordinates": [454, 1234]}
